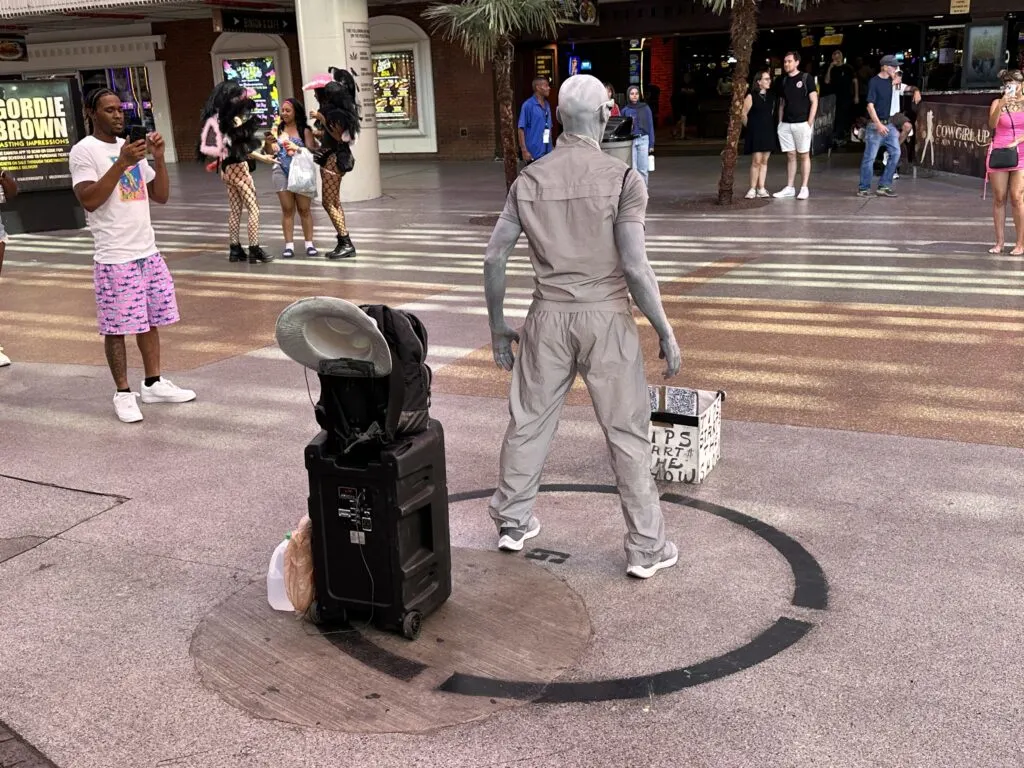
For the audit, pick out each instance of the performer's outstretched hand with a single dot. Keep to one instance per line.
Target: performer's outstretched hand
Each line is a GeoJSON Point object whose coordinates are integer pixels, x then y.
{"type": "Point", "coordinates": [671, 355]}
{"type": "Point", "coordinates": [501, 344]}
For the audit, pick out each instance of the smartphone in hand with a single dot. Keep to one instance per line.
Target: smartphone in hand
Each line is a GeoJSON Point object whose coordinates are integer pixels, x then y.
{"type": "Point", "coordinates": [137, 133]}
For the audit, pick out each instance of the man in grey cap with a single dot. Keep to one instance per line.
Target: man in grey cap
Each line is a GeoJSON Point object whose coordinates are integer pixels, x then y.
{"type": "Point", "coordinates": [583, 214]}
{"type": "Point", "coordinates": [879, 132]}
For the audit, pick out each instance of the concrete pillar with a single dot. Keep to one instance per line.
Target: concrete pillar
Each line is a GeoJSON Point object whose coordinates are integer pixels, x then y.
{"type": "Point", "coordinates": [337, 33]}
{"type": "Point", "coordinates": [162, 106]}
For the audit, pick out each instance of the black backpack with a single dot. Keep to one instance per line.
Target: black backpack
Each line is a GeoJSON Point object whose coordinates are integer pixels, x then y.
{"type": "Point", "coordinates": [357, 407]}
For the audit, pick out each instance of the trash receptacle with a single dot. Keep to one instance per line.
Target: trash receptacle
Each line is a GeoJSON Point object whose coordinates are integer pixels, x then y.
{"type": "Point", "coordinates": [623, 150]}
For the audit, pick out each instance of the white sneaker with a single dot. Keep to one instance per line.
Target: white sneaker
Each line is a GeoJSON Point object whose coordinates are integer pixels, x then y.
{"type": "Point", "coordinates": [786, 192]}
{"type": "Point", "coordinates": [804, 193]}
{"type": "Point", "coordinates": [4, 359]}
{"type": "Point", "coordinates": [512, 539]}
{"type": "Point", "coordinates": [166, 391]}
{"type": "Point", "coordinates": [126, 407]}
{"type": "Point", "coordinates": [669, 557]}
{"type": "Point", "coordinates": [751, 194]}
{"type": "Point", "coordinates": [762, 192]}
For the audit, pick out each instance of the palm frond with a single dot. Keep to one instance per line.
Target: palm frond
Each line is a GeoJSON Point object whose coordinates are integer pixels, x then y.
{"type": "Point", "coordinates": [718, 6]}
{"type": "Point", "coordinates": [479, 26]}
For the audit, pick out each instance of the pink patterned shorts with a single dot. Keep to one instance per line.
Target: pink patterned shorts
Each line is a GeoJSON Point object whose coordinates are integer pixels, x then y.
{"type": "Point", "coordinates": [134, 298]}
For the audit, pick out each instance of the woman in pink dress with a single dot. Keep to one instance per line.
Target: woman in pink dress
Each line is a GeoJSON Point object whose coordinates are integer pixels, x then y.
{"type": "Point", "coordinates": [1006, 119]}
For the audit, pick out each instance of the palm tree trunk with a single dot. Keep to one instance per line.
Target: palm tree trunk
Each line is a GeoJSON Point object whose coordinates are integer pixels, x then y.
{"type": "Point", "coordinates": [742, 30]}
{"type": "Point", "coordinates": [507, 127]}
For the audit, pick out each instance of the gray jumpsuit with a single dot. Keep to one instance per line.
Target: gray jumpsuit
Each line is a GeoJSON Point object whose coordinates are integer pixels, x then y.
{"type": "Point", "coordinates": [580, 321]}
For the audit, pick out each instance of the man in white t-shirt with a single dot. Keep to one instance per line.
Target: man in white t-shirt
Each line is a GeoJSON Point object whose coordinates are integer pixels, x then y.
{"type": "Point", "coordinates": [134, 290]}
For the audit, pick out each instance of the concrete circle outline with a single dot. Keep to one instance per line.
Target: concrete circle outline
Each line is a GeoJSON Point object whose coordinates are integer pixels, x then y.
{"type": "Point", "coordinates": [810, 591]}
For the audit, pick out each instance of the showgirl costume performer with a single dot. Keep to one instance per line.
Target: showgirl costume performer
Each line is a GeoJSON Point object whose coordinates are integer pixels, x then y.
{"type": "Point", "coordinates": [337, 121]}
{"type": "Point", "coordinates": [229, 138]}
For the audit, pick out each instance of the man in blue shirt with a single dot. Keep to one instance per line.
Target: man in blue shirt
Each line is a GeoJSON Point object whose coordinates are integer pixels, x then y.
{"type": "Point", "coordinates": [879, 132]}
{"type": "Point", "coordinates": [535, 122]}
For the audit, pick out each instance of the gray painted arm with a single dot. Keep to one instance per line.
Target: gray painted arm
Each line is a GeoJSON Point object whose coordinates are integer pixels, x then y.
{"type": "Point", "coordinates": [643, 285]}
{"type": "Point", "coordinates": [503, 240]}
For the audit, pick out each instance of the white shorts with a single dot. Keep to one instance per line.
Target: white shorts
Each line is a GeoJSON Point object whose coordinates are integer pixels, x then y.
{"type": "Point", "coordinates": [795, 137]}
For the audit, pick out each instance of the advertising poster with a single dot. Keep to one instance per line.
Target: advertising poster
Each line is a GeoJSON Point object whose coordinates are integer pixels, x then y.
{"type": "Point", "coordinates": [38, 127]}
{"type": "Point", "coordinates": [544, 65]}
{"type": "Point", "coordinates": [983, 57]}
{"type": "Point", "coordinates": [824, 125]}
{"type": "Point", "coordinates": [13, 48]}
{"type": "Point", "coordinates": [360, 64]}
{"type": "Point", "coordinates": [953, 138]}
{"type": "Point", "coordinates": [259, 75]}
{"type": "Point", "coordinates": [394, 76]}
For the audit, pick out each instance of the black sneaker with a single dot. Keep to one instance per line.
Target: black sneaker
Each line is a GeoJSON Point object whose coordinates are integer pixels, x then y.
{"type": "Point", "coordinates": [512, 539]}
{"type": "Point", "coordinates": [343, 250]}
{"type": "Point", "coordinates": [864, 193]}
{"type": "Point", "coordinates": [237, 253]}
{"type": "Point", "coordinates": [257, 254]}
{"type": "Point", "coordinates": [886, 192]}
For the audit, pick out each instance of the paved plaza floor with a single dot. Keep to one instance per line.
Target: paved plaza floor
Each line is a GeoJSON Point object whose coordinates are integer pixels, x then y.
{"type": "Point", "coordinates": [849, 589]}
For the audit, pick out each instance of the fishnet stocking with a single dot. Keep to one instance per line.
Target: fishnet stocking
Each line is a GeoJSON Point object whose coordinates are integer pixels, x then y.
{"type": "Point", "coordinates": [332, 194]}
{"type": "Point", "coordinates": [241, 194]}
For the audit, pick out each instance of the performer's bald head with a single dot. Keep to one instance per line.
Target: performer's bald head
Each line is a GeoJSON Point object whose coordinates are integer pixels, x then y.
{"type": "Point", "coordinates": [583, 106]}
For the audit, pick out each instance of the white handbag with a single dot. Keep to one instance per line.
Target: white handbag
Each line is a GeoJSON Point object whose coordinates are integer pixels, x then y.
{"type": "Point", "coordinates": [650, 162]}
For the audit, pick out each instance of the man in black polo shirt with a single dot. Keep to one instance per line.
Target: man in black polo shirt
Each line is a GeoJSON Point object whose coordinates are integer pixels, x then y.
{"type": "Point", "coordinates": [798, 99]}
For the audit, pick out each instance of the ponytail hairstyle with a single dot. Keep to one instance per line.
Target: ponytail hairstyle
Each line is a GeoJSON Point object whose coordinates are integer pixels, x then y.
{"type": "Point", "coordinates": [92, 101]}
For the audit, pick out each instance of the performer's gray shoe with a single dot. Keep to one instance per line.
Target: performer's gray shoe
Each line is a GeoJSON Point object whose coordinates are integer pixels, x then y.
{"type": "Point", "coordinates": [669, 557]}
{"type": "Point", "coordinates": [512, 539]}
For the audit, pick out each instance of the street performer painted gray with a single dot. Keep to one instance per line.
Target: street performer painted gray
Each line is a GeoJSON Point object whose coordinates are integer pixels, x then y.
{"type": "Point", "coordinates": [583, 214]}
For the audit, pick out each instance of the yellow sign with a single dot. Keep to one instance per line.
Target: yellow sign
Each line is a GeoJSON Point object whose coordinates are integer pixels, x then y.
{"type": "Point", "coordinates": [959, 6]}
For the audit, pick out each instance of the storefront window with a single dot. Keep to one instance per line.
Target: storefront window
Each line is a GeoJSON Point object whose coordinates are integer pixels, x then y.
{"type": "Point", "coordinates": [944, 51]}
{"type": "Point", "coordinates": [259, 75]}
{"type": "Point", "coordinates": [131, 84]}
{"type": "Point", "coordinates": [394, 89]}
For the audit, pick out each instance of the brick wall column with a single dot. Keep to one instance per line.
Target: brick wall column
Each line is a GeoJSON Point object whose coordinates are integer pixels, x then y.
{"type": "Point", "coordinates": [663, 66]}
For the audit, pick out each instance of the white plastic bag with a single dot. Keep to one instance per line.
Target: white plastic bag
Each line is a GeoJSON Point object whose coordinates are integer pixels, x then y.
{"type": "Point", "coordinates": [302, 174]}
{"type": "Point", "coordinates": [277, 595]}
{"type": "Point", "coordinates": [650, 163]}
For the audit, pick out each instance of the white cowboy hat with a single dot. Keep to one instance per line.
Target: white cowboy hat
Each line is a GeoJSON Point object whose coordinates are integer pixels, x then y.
{"type": "Point", "coordinates": [325, 328]}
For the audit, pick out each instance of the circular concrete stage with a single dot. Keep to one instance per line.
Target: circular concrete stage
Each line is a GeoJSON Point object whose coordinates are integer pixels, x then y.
{"type": "Point", "coordinates": [506, 619]}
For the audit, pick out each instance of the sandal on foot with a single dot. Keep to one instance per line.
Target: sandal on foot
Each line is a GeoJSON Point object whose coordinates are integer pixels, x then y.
{"type": "Point", "coordinates": [1018, 251]}
{"type": "Point", "coordinates": [311, 252]}
{"type": "Point", "coordinates": [287, 253]}
{"type": "Point", "coordinates": [996, 249]}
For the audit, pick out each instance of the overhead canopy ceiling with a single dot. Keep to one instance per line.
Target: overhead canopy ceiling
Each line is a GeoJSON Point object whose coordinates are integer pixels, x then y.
{"type": "Point", "coordinates": [24, 16]}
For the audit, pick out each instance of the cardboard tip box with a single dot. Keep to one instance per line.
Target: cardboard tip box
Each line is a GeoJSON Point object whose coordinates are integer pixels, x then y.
{"type": "Point", "coordinates": [686, 433]}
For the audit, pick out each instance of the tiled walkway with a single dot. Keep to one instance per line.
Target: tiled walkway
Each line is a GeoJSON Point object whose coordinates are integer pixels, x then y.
{"type": "Point", "coordinates": [872, 353]}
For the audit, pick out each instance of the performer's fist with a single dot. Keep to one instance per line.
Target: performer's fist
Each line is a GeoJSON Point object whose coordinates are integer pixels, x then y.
{"type": "Point", "coordinates": [501, 345]}
{"type": "Point", "coordinates": [671, 355]}
{"type": "Point", "coordinates": [156, 145]}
